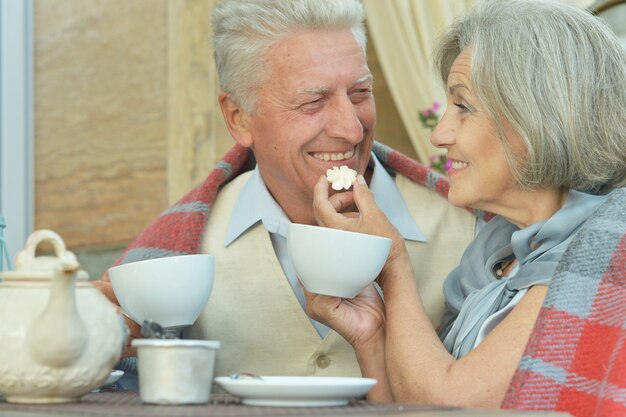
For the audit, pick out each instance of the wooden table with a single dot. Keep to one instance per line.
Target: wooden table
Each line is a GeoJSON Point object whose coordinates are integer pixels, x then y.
{"type": "Point", "coordinates": [128, 403]}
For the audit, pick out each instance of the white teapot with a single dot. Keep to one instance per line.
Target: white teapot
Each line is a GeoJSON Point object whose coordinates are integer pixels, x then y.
{"type": "Point", "coordinates": [59, 336]}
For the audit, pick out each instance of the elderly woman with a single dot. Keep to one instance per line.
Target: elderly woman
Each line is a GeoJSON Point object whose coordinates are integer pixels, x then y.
{"type": "Point", "coordinates": [535, 129]}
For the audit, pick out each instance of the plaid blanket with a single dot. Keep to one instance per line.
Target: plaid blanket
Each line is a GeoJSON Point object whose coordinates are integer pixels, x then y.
{"type": "Point", "coordinates": [179, 229]}
{"type": "Point", "coordinates": [575, 360]}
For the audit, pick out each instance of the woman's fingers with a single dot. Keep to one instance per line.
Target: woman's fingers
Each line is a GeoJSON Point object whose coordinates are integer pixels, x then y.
{"type": "Point", "coordinates": [326, 209]}
{"type": "Point", "coordinates": [368, 219]}
{"type": "Point", "coordinates": [341, 201]}
{"type": "Point", "coordinates": [363, 197]}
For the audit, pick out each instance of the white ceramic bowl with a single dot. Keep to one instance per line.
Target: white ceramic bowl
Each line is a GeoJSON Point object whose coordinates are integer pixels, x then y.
{"type": "Point", "coordinates": [335, 262]}
{"type": "Point", "coordinates": [171, 291]}
{"type": "Point", "coordinates": [175, 371]}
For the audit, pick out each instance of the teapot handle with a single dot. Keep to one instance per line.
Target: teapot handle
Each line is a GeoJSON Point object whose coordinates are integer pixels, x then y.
{"type": "Point", "coordinates": [29, 251]}
{"type": "Point", "coordinates": [57, 337]}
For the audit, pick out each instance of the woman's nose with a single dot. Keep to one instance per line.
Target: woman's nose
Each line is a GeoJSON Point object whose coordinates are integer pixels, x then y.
{"type": "Point", "coordinates": [443, 134]}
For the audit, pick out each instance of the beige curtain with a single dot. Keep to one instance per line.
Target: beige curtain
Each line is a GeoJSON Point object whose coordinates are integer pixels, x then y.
{"type": "Point", "coordinates": [403, 33]}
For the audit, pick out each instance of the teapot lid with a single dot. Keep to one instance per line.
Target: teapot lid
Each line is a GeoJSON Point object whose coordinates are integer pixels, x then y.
{"type": "Point", "coordinates": [31, 267]}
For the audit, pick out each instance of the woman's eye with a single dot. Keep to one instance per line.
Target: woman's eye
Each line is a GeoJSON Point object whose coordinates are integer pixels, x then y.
{"type": "Point", "coordinates": [462, 107]}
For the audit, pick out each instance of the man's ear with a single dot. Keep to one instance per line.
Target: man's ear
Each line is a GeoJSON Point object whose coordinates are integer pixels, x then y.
{"type": "Point", "coordinates": [237, 121]}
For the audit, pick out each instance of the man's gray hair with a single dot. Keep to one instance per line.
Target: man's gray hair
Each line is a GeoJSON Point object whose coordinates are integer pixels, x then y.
{"type": "Point", "coordinates": [243, 30]}
{"type": "Point", "coordinates": [557, 75]}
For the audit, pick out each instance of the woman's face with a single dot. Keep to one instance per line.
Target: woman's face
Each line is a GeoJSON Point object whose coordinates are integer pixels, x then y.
{"type": "Point", "coordinates": [480, 176]}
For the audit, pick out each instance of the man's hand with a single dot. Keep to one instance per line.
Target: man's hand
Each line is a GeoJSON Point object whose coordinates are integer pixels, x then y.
{"type": "Point", "coordinates": [359, 320]}
{"type": "Point", "coordinates": [105, 287]}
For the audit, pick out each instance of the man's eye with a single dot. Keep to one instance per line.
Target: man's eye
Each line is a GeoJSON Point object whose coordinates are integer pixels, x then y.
{"type": "Point", "coordinates": [312, 105]}
{"type": "Point", "coordinates": [360, 94]}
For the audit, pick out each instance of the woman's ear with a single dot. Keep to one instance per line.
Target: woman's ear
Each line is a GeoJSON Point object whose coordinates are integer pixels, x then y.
{"type": "Point", "coordinates": [237, 121]}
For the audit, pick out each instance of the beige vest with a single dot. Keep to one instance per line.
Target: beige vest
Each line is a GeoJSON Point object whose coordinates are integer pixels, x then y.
{"type": "Point", "coordinates": [254, 313]}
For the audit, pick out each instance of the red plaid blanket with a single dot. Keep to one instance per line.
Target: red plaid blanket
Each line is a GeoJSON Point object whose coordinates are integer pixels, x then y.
{"type": "Point", "coordinates": [575, 360]}
{"type": "Point", "coordinates": [179, 229]}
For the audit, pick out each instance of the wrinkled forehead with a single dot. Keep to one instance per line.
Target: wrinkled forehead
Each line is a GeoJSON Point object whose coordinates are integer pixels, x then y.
{"type": "Point", "coordinates": [317, 56]}
{"type": "Point", "coordinates": [460, 75]}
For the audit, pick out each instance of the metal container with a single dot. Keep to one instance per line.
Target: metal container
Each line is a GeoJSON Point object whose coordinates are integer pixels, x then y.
{"type": "Point", "coordinates": [175, 371]}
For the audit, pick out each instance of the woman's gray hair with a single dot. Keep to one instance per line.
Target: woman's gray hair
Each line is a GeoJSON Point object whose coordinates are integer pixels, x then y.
{"type": "Point", "coordinates": [243, 30]}
{"type": "Point", "coordinates": [557, 75]}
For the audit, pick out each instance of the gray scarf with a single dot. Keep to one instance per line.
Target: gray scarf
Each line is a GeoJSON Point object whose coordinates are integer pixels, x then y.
{"type": "Point", "coordinates": [472, 290]}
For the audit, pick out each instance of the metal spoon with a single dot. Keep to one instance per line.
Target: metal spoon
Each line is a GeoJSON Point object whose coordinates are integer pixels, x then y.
{"type": "Point", "coordinates": [245, 375]}
{"type": "Point", "coordinates": [152, 330]}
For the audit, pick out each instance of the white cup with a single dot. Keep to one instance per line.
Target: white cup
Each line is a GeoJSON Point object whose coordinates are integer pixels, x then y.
{"type": "Point", "coordinates": [335, 262]}
{"type": "Point", "coordinates": [171, 291]}
{"type": "Point", "coordinates": [175, 371]}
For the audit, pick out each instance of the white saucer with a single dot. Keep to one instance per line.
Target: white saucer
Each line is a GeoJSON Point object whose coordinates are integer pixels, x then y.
{"type": "Point", "coordinates": [115, 375]}
{"type": "Point", "coordinates": [296, 391]}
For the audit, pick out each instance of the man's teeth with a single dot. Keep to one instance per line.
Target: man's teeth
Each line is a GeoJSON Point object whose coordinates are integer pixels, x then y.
{"type": "Point", "coordinates": [334, 156]}
{"type": "Point", "coordinates": [458, 164]}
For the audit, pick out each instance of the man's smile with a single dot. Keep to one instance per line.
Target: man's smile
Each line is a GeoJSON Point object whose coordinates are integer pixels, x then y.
{"type": "Point", "coordinates": [333, 156]}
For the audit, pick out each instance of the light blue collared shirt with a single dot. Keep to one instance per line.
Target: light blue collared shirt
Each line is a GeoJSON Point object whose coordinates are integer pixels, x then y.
{"type": "Point", "coordinates": [255, 194]}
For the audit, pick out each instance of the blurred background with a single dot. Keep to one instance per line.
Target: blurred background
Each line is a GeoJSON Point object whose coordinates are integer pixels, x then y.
{"type": "Point", "coordinates": [109, 108]}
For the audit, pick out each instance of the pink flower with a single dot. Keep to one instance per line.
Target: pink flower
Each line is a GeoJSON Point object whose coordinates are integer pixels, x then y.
{"type": "Point", "coordinates": [429, 117]}
{"type": "Point", "coordinates": [448, 166]}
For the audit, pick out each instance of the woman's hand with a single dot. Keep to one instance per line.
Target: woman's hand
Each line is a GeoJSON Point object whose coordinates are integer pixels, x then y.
{"type": "Point", "coordinates": [369, 219]}
{"type": "Point", "coordinates": [362, 319]}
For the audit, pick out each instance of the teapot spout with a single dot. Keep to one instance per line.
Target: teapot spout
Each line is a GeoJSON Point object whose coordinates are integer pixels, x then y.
{"type": "Point", "coordinates": [58, 336]}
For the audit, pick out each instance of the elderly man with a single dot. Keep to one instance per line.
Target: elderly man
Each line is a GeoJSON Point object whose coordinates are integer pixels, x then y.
{"type": "Point", "coordinates": [297, 92]}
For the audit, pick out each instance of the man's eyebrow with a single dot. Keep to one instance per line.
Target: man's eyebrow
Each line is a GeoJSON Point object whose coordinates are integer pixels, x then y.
{"type": "Point", "coordinates": [363, 79]}
{"type": "Point", "coordinates": [325, 90]}
{"type": "Point", "coordinates": [313, 91]}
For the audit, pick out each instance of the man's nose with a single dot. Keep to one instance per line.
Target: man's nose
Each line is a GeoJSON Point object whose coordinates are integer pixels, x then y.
{"type": "Point", "coordinates": [343, 122]}
{"type": "Point", "coordinates": [443, 134]}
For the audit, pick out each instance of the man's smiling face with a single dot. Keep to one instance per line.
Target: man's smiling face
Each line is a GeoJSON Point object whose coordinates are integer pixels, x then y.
{"type": "Point", "coordinates": [315, 111]}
